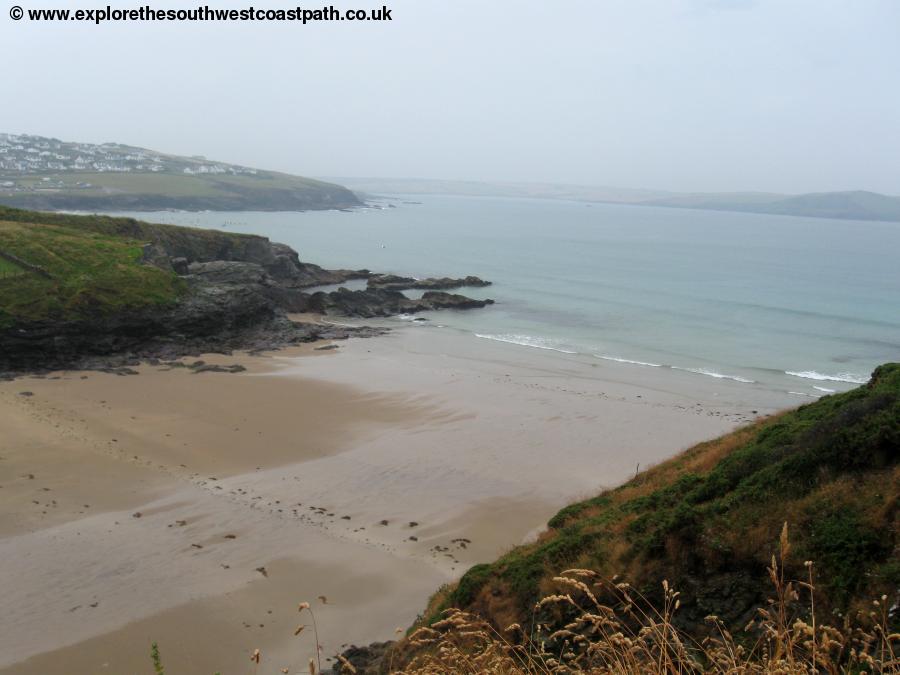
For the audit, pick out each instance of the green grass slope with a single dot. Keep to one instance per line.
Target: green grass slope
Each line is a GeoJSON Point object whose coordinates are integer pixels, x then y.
{"type": "Point", "coordinates": [709, 519]}
{"type": "Point", "coordinates": [178, 241]}
{"type": "Point", "coordinates": [74, 267]}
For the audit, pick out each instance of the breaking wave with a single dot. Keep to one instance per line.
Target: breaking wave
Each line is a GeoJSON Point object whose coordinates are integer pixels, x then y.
{"type": "Point", "coordinates": [840, 377]}
{"type": "Point", "coordinates": [528, 341]}
{"type": "Point", "coordinates": [636, 363]}
{"type": "Point", "coordinates": [712, 373]}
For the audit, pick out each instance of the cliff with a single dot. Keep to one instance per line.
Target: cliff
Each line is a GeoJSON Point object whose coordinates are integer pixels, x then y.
{"type": "Point", "coordinates": [75, 289]}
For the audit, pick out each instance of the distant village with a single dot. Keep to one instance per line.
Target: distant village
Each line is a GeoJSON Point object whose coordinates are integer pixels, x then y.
{"type": "Point", "coordinates": [30, 156]}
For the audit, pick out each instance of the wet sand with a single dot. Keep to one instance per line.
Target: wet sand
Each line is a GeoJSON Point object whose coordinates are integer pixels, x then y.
{"type": "Point", "coordinates": [197, 510]}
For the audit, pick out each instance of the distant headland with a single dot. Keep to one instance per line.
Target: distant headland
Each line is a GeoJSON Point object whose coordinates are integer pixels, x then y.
{"type": "Point", "coordinates": [46, 173]}
{"type": "Point", "coordinates": [845, 205]}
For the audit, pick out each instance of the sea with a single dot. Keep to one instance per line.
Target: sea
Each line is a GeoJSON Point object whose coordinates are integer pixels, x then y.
{"type": "Point", "coordinates": [798, 305]}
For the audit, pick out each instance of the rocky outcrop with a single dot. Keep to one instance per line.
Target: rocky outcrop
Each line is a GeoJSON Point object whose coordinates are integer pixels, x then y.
{"type": "Point", "coordinates": [375, 302]}
{"type": "Point", "coordinates": [228, 305]}
{"type": "Point", "coordinates": [238, 290]}
{"type": "Point", "coordinates": [179, 250]}
{"type": "Point", "coordinates": [287, 267]}
{"type": "Point", "coordinates": [172, 246]}
{"type": "Point", "coordinates": [392, 282]}
{"type": "Point", "coordinates": [367, 660]}
{"type": "Point", "coordinates": [234, 277]}
{"type": "Point", "coordinates": [441, 300]}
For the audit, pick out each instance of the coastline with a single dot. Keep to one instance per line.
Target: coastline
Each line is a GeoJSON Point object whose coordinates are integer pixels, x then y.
{"type": "Point", "coordinates": [462, 437]}
{"type": "Point", "coordinates": [742, 296]}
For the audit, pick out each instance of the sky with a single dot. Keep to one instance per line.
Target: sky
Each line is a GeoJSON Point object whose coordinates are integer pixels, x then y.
{"type": "Point", "coordinates": [686, 95]}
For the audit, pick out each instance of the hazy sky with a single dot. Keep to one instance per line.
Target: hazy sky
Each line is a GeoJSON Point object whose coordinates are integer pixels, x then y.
{"type": "Point", "coordinates": [781, 95]}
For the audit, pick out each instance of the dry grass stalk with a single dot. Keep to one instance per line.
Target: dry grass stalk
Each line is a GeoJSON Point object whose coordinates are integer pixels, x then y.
{"type": "Point", "coordinates": [604, 627]}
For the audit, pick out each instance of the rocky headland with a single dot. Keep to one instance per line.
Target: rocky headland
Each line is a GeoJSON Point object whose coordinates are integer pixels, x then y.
{"type": "Point", "coordinates": [225, 292]}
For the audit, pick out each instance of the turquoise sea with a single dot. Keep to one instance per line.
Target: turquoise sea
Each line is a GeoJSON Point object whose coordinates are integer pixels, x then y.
{"type": "Point", "coordinates": [801, 305]}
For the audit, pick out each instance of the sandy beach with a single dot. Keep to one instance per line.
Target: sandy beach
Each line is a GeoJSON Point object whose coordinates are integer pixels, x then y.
{"type": "Point", "coordinates": [198, 510]}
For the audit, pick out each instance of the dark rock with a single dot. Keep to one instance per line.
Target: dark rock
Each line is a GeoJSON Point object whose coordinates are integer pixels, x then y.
{"type": "Point", "coordinates": [386, 281]}
{"type": "Point", "coordinates": [374, 302]}
{"type": "Point", "coordinates": [393, 282]}
{"type": "Point", "coordinates": [208, 368]}
{"type": "Point", "coordinates": [441, 300]}
{"type": "Point", "coordinates": [286, 266]}
{"type": "Point", "coordinates": [366, 304]}
{"type": "Point", "coordinates": [180, 266]}
{"type": "Point", "coordinates": [118, 370]}
{"type": "Point", "coordinates": [369, 660]}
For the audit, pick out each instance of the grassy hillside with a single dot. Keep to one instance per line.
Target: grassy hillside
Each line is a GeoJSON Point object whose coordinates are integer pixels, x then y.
{"type": "Point", "coordinates": [46, 173]}
{"type": "Point", "coordinates": [189, 242]}
{"type": "Point", "coordinates": [265, 191]}
{"type": "Point", "coordinates": [69, 267]}
{"type": "Point", "coordinates": [708, 521]}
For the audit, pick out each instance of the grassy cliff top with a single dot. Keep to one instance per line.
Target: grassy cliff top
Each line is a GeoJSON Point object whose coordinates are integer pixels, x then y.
{"type": "Point", "coordinates": [709, 519]}
{"type": "Point", "coordinates": [58, 267]}
{"type": "Point", "coordinates": [191, 242]}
